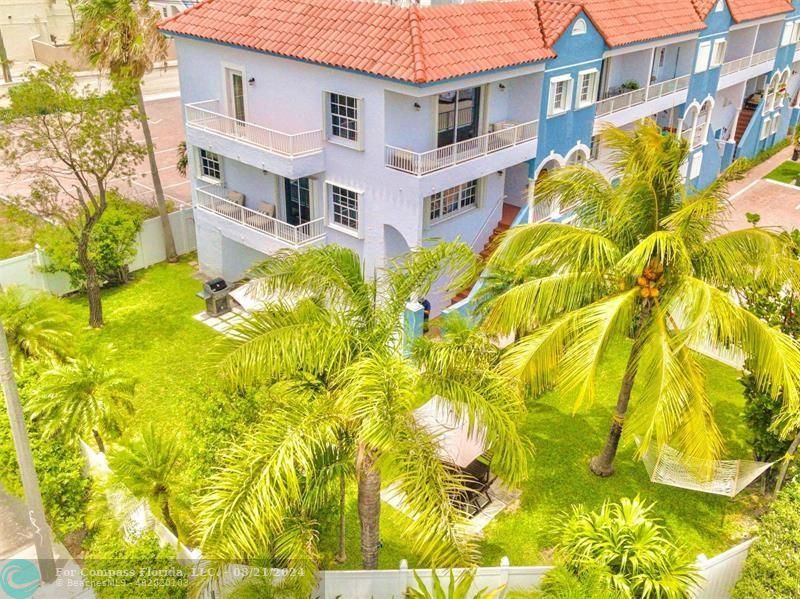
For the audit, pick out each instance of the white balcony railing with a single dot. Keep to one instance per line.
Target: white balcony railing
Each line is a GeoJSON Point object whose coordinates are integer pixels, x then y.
{"type": "Point", "coordinates": [640, 96]}
{"type": "Point", "coordinates": [212, 198]}
{"type": "Point", "coordinates": [745, 62]}
{"type": "Point", "coordinates": [419, 164]}
{"type": "Point", "coordinates": [202, 115]}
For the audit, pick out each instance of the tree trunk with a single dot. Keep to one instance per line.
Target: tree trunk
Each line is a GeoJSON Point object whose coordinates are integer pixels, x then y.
{"type": "Point", "coordinates": [101, 447]}
{"type": "Point", "coordinates": [369, 508]}
{"type": "Point", "coordinates": [785, 465]}
{"type": "Point", "coordinates": [166, 513]}
{"type": "Point", "coordinates": [4, 63]}
{"type": "Point", "coordinates": [169, 240]}
{"type": "Point", "coordinates": [601, 464]}
{"type": "Point", "coordinates": [92, 285]}
{"type": "Point", "coordinates": [341, 555]}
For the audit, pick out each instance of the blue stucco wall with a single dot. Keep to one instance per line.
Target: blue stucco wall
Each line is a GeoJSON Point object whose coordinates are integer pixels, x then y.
{"type": "Point", "coordinates": [559, 134]}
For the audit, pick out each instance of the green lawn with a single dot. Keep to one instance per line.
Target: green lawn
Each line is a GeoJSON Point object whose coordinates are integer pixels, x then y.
{"type": "Point", "coordinates": [150, 322]}
{"type": "Point", "coordinates": [787, 172]}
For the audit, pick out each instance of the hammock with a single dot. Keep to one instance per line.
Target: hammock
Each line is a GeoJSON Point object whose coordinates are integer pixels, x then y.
{"type": "Point", "coordinates": [667, 466]}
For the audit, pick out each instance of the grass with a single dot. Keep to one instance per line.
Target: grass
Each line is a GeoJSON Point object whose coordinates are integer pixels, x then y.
{"type": "Point", "coordinates": [150, 322]}
{"type": "Point", "coordinates": [15, 239]}
{"type": "Point", "coordinates": [787, 172]}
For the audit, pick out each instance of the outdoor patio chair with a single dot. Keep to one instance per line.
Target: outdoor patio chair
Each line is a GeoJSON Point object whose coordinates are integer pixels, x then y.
{"type": "Point", "coordinates": [262, 217]}
{"type": "Point", "coordinates": [231, 209]}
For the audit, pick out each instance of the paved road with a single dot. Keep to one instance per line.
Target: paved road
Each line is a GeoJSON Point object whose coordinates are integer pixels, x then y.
{"type": "Point", "coordinates": [15, 532]}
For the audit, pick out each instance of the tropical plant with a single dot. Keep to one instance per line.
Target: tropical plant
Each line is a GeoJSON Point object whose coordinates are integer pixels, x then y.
{"type": "Point", "coordinates": [628, 549]}
{"type": "Point", "coordinates": [82, 396]}
{"type": "Point", "coordinates": [458, 587]}
{"type": "Point", "coordinates": [345, 388]}
{"type": "Point", "coordinates": [774, 560]}
{"type": "Point", "coordinates": [148, 466]}
{"type": "Point", "coordinates": [649, 264]}
{"type": "Point", "coordinates": [122, 37]}
{"type": "Point", "coordinates": [37, 328]}
{"type": "Point", "coordinates": [563, 583]}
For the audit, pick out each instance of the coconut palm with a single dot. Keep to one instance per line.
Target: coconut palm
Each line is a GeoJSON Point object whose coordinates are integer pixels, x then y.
{"type": "Point", "coordinates": [334, 352]}
{"type": "Point", "coordinates": [82, 396]}
{"type": "Point", "coordinates": [122, 37]}
{"type": "Point", "coordinates": [36, 326]}
{"type": "Point", "coordinates": [147, 466]}
{"type": "Point", "coordinates": [650, 264]}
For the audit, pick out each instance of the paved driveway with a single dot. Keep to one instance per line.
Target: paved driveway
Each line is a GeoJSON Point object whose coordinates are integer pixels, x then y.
{"type": "Point", "coordinates": [778, 205]}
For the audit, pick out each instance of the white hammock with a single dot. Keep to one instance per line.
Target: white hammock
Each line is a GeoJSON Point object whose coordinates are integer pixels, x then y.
{"type": "Point", "coordinates": [668, 466]}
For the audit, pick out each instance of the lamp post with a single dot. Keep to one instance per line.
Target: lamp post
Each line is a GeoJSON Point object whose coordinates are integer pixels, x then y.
{"type": "Point", "coordinates": [30, 481]}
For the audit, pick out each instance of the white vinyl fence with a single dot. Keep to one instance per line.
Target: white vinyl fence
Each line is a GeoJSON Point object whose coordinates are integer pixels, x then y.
{"type": "Point", "coordinates": [25, 270]}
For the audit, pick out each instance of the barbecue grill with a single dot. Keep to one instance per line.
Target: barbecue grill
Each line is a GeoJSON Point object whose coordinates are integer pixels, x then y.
{"type": "Point", "coordinates": [215, 292]}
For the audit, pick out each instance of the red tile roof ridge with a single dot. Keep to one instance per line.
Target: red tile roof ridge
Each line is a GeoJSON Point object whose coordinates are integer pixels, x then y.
{"type": "Point", "coordinates": [420, 72]}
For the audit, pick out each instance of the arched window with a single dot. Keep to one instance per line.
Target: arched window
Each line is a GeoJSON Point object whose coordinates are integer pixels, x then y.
{"type": "Point", "coordinates": [703, 122]}
{"type": "Point", "coordinates": [772, 93]}
{"type": "Point", "coordinates": [579, 28]}
{"type": "Point", "coordinates": [783, 87]}
{"type": "Point", "coordinates": [686, 126]}
{"type": "Point", "coordinates": [577, 157]}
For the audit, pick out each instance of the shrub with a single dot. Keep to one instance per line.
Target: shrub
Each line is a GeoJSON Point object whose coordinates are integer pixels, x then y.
{"type": "Point", "coordinates": [116, 569]}
{"type": "Point", "coordinates": [773, 563]}
{"type": "Point", "coordinates": [627, 549]}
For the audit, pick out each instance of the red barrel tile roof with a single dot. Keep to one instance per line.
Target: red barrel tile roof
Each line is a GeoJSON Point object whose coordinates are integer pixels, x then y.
{"type": "Point", "coordinates": [747, 10]}
{"type": "Point", "coordinates": [628, 21]}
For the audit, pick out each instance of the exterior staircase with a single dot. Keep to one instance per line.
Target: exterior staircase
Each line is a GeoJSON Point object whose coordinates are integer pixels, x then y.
{"type": "Point", "coordinates": [509, 214]}
{"type": "Point", "coordinates": [745, 116]}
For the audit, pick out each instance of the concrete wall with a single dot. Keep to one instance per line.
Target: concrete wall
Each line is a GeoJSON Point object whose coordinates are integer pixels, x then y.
{"type": "Point", "coordinates": [25, 20]}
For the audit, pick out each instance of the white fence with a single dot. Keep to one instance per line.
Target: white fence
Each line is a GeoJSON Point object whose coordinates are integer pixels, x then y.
{"type": "Point", "coordinates": [25, 270]}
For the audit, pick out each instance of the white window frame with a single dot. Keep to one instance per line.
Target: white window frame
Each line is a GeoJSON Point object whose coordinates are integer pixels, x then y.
{"type": "Point", "coordinates": [766, 125]}
{"type": "Point", "coordinates": [594, 76]}
{"type": "Point", "coordinates": [579, 28]}
{"type": "Point", "coordinates": [788, 33]}
{"type": "Point", "coordinates": [199, 164]}
{"type": "Point", "coordinates": [719, 6]}
{"type": "Point", "coordinates": [703, 57]}
{"type": "Point", "coordinates": [776, 122]}
{"type": "Point", "coordinates": [696, 165]}
{"type": "Point", "coordinates": [461, 210]}
{"type": "Point", "coordinates": [355, 232]}
{"type": "Point", "coordinates": [358, 142]}
{"type": "Point", "coordinates": [718, 52]}
{"type": "Point", "coordinates": [551, 108]}
{"type": "Point", "coordinates": [796, 32]}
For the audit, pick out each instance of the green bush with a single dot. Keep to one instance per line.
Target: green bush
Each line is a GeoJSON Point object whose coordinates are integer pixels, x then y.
{"type": "Point", "coordinates": [116, 569]}
{"type": "Point", "coordinates": [773, 563]}
{"type": "Point", "coordinates": [111, 246]}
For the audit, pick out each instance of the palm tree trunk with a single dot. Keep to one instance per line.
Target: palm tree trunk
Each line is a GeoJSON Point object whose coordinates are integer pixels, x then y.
{"type": "Point", "coordinates": [4, 63]}
{"type": "Point", "coordinates": [169, 240]}
{"type": "Point", "coordinates": [101, 447]}
{"type": "Point", "coordinates": [369, 508]}
{"type": "Point", "coordinates": [601, 465]}
{"type": "Point", "coordinates": [341, 555]}
{"type": "Point", "coordinates": [166, 513]}
{"type": "Point", "coordinates": [785, 465]}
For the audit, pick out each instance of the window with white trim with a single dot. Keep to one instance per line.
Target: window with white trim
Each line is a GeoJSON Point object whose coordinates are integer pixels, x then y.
{"type": "Point", "coordinates": [344, 204]}
{"type": "Point", "coordinates": [587, 87]}
{"type": "Point", "coordinates": [579, 28]}
{"type": "Point", "coordinates": [703, 54]}
{"type": "Point", "coordinates": [776, 122]}
{"type": "Point", "coordinates": [210, 165]}
{"type": "Point", "coordinates": [788, 33]}
{"type": "Point", "coordinates": [771, 96]}
{"type": "Point", "coordinates": [697, 163]}
{"type": "Point", "coordinates": [718, 54]}
{"type": "Point", "coordinates": [796, 32]}
{"type": "Point", "coordinates": [719, 6]}
{"type": "Point", "coordinates": [560, 95]}
{"type": "Point", "coordinates": [452, 201]}
{"type": "Point", "coordinates": [344, 118]}
{"type": "Point", "coordinates": [766, 126]}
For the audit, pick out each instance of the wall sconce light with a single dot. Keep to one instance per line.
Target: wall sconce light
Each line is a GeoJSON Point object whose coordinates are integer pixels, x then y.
{"type": "Point", "coordinates": [502, 86]}
{"type": "Point", "coordinates": [417, 107]}
{"type": "Point", "coordinates": [251, 81]}
{"type": "Point", "coordinates": [499, 173]}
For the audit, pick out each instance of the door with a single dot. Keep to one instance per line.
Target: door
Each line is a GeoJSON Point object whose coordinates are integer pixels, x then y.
{"type": "Point", "coordinates": [236, 107]}
{"type": "Point", "coordinates": [298, 201]}
{"type": "Point", "coordinates": [458, 116]}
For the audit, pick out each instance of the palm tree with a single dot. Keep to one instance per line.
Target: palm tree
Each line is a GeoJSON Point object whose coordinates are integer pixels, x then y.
{"type": "Point", "coordinates": [36, 326]}
{"type": "Point", "coordinates": [334, 353]}
{"type": "Point", "coordinates": [649, 264]}
{"type": "Point", "coordinates": [122, 37]}
{"type": "Point", "coordinates": [148, 466]}
{"type": "Point", "coordinates": [85, 395]}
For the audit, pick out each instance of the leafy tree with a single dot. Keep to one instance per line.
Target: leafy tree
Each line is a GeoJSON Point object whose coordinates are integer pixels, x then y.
{"type": "Point", "coordinates": [85, 395]}
{"type": "Point", "coordinates": [36, 326]}
{"type": "Point", "coordinates": [122, 37]}
{"type": "Point", "coordinates": [774, 559]}
{"type": "Point", "coordinates": [342, 385]}
{"type": "Point", "coordinates": [148, 466]}
{"type": "Point", "coordinates": [71, 145]}
{"type": "Point", "coordinates": [112, 245]}
{"type": "Point", "coordinates": [627, 549]}
{"type": "Point", "coordinates": [651, 262]}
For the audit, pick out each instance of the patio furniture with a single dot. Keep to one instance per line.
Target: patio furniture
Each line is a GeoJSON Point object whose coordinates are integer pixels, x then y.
{"type": "Point", "coordinates": [262, 218]}
{"type": "Point", "coordinates": [231, 209]}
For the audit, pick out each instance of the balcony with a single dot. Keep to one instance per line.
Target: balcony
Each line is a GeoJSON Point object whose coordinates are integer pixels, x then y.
{"type": "Point", "coordinates": [734, 66]}
{"type": "Point", "coordinates": [640, 96]}
{"type": "Point", "coordinates": [424, 163]}
{"type": "Point", "coordinates": [212, 199]}
{"type": "Point", "coordinates": [291, 155]}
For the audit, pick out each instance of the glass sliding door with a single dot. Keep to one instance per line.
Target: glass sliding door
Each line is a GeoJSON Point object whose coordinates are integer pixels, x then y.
{"type": "Point", "coordinates": [298, 201]}
{"type": "Point", "coordinates": [458, 116]}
